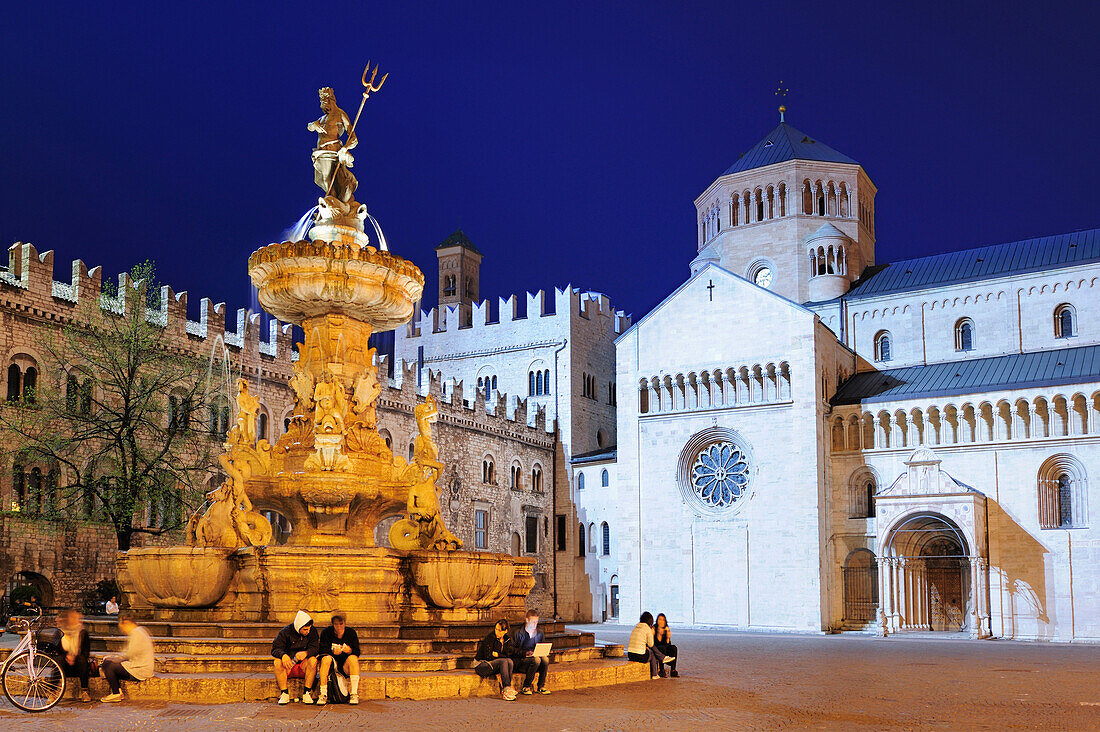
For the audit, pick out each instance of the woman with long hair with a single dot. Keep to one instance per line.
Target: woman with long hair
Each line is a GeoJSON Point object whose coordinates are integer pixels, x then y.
{"type": "Point", "coordinates": [640, 647]}
{"type": "Point", "coordinates": [662, 641]}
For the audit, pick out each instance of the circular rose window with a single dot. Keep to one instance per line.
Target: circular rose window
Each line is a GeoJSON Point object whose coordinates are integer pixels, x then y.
{"type": "Point", "coordinates": [716, 470]}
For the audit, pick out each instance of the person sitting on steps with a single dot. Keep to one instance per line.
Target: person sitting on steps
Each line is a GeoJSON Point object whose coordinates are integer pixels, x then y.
{"type": "Point", "coordinates": [136, 661]}
{"type": "Point", "coordinates": [525, 640]}
{"type": "Point", "coordinates": [662, 641]}
{"type": "Point", "coordinates": [494, 656]}
{"type": "Point", "coordinates": [640, 646]}
{"type": "Point", "coordinates": [295, 653]}
{"type": "Point", "coordinates": [77, 647]}
{"type": "Point", "coordinates": [340, 649]}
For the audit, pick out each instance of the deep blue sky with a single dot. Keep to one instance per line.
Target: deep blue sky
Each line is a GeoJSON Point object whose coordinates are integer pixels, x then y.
{"type": "Point", "coordinates": [567, 140]}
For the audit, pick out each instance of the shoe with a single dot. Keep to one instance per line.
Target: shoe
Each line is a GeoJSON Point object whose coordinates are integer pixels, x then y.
{"type": "Point", "coordinates": [284, 698]}
{"type": "Point", "coordinates": [322, 700]}
{"type": "Point", "coordinates": [509, 694]}
{"type": "Point", "coordinates": [306, 698]}
{"type": "Point", "coordinates": [110, 698]}
{"type": "Point", "coordinates": [675, 674]}
{"type": "Point", "coordinates": [527, 691]}
{"type": "Point", "coordinates": [543, 690]}
{"type": "Point", "coordinates": [353, 699]}
{"type": "Point", "coordinates": [663, 674]}
{"type": "Point", "coordinates": [669, 659]}
{"type": "Point", "coordinates": [84, 696]}
{"type": "Point", "coordinates": [654, 678]}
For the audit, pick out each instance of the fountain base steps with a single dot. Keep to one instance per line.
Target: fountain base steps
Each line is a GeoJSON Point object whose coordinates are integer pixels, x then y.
{"type": "Point", "coordinates": [226, 688]}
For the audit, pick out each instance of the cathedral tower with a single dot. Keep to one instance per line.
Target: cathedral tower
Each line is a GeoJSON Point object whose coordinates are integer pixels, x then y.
{"type": "Point", "coordinates": [791, 214]}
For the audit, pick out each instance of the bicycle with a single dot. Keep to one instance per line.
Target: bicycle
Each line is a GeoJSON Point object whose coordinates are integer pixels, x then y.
{"type": "Point", "coordinates": [32, 680]}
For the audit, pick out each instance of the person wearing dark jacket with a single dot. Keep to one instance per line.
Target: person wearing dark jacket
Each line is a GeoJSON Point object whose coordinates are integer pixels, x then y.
{"type": "Point", "coordinates": [525, 640]}
{"type": "Point", "coordinates": [295, 652]}
{"type": "Point", "coordinates": [495, 654]}
{"type": "Point", "coordinates": [340, 647]}
{"type": "Point", "coordinates": [76, 646]}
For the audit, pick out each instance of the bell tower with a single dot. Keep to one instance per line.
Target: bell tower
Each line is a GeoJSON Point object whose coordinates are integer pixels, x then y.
{"type": "Point", "coordinates": [459, 273]}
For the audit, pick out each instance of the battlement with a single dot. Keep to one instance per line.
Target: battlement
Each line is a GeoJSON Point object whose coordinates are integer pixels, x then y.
{"type": "Point", "coordinates": [451, 395]}
{"type": "Point", "coordinates": [566, 303]}
{"type": "Point", "coordinates": [31, 275]}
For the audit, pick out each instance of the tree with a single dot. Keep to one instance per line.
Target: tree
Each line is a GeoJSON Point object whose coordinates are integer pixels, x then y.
{"type": "Point", "coordinates": [118, 420]}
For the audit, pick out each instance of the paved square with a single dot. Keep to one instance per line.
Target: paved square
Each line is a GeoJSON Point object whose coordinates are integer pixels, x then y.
{"type": "Point", "coordinates": [730, 681]}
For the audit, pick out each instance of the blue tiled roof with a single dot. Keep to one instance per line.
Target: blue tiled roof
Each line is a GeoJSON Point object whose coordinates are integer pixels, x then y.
{"type": "Point", "coordinates": [982, 263]}
{"type": "Point", "coordinates": [786, 143]}
{"type": "Point", "coordinates": [974, 376]}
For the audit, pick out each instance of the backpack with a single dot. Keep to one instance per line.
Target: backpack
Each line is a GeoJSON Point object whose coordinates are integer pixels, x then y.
{"type": "Point", "coordinates": [337, 687]}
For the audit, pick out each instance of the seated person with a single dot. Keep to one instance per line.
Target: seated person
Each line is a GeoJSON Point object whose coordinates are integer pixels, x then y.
{"type": "Point", "coordinates": [662, 641]}
{"type": "Point", "coordinates": [136, 661]}
{"type": "Point", "coordinates": [494, 656]}
{"type": "Point", "coordinates": [525, 640]}
{"type": "Point", "coordinates": [640, 646]}
{"type": "Point", "coordinates": [340, 648]}
{"type": "Point", "coordinates": [76, 647]}
{"type": "Point", "coordinates": [112, 606]}
{"type": "Point", "coordinates": [295, 653]}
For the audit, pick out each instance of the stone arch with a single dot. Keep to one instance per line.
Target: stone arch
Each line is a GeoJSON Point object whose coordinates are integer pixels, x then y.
{"type": "Point", "coordinates": [863, 484]}
{"type": "Point", "coordinates": [931, 582]}
{"type": "Point", "coordinates": [860, 571]}
{"type": "Point", "coordinates": [1063, 492]}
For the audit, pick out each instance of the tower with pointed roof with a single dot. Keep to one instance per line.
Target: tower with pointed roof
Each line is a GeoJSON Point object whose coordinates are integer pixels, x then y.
{"type": "Point", "coordinates": [459, 272]}
{"type": "Point", "coordinates": [791, 214]}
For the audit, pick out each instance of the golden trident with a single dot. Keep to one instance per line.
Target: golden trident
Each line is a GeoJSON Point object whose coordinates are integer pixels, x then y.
{"type": "Point", "coordinates": [368, 86]}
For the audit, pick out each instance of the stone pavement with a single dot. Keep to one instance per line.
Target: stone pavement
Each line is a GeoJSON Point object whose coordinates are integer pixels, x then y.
{"type": "Point", "coordinates": [730, 681]}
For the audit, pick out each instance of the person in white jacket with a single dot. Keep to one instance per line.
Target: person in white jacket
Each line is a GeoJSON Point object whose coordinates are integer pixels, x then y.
{"type": "Point", "coordinates": [136, 661]}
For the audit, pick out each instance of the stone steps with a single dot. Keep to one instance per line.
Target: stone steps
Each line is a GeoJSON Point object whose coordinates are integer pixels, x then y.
{"type": "Point", "coordinates": [174, 629]}
{"type": "Point", "coordinates": [244, 687]}
{"type": "Point", "coordinates": [181, 663]}
{"type": "Point", "coordinates": [257, 646]}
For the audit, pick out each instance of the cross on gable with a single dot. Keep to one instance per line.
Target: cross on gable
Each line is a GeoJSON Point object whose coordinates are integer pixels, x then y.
{"type": "Point", "coordinates": [710, 290]}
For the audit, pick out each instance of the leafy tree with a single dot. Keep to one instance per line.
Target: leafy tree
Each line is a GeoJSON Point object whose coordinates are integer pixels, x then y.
{"type": "Point", "coordinates": [120, 417]}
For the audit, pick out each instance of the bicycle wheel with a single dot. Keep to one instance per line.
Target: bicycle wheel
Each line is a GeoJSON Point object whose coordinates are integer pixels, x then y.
{"type": "Point", "coordinates": [33, 687]}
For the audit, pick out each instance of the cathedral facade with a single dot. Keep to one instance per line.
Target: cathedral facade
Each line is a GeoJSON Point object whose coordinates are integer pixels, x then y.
{"type": "Point", "coordinates": [809, 440]}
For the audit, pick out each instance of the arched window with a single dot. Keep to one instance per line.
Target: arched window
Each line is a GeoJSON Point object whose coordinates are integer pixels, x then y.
{"type": "Point", "coordinates": [15, 382]}
{"type": "Point", "coordinates": [582, 546]}
{"type": "Point", "coordinates": [546, 381]}
{"type": "Point", "coordinates": [580, 481]}
{"type": "Point", "coordinates": [30, 384]}
{"type": "Point", "coordinates": [1065, 322]}
{"type": "Point", "coordinates": [536, 479]}
{"type": "Point", "coordinates": [261, 426]}
{"type": "Point", "coordinates": [538, 383]}
{"type": "Point", "coordinates": [530, 383]}
{"type": "Point", "coordinates": [412, 449]}
{"type": "Point", "coordinates": [606, 539]}
{"type": "Point", "coordinates": [516, 476]}
{"type": "Point", "coordinates": [883, 350]}
{"type": "Point", "coordinates": [604, 478]}
{"type": "Point", "coordinates": [487, 468]}
{"type": "Point", "coordinates": [449, 285]}
{"type": "Point", "coordinates": [494, 383]}
{"type": "Point", "coordinates": [386, 436]}
{"type": "Point", "coordinates": [964, 335]}
{"type": "Point", "coordinates": [861, 494]}
{"type": "Point", "coordinates": [1063, 491]}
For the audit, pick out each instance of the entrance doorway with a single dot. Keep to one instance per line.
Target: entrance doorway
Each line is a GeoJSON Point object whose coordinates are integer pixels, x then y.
{"type": "Point", "coordinates": [615, 596]}
{"type": "Point", "coordinates": [860, 587]}
{"type": "Point", "coordinates": [927, 575]}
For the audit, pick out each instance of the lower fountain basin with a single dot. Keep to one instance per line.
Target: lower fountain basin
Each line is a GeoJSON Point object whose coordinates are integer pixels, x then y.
{"type": "Point", "coordinates": [462, 579]}
{"type": "Point", "coordinates": [181, 576]}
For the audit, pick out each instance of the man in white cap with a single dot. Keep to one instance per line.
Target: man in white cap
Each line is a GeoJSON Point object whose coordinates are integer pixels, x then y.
{"type": "Point", "coordinates": [295, 653]}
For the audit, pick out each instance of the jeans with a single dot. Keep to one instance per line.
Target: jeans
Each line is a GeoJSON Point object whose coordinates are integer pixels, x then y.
{"type": "Point", "coordinates": [79, 669]}
{"type": "Point", "coordinates": [530, 666]}
{"type": "Point", "coordinates": [502, 666]}
{"type": "Point", "coordinates": [115, 672]}
{"type": "Point", "coordinates": [669, 650]}
{"type": "Point", "coordinates": [652, 656]}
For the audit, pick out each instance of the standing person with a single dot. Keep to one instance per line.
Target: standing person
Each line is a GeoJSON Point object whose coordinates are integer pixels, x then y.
{"type": "Point", "coordinates": [295, 652]}
{"type": "Point", "coordinates": [136, 661]}
{"type": "Point", "coordinates": [340, 648]}
{"type": "Point", "coordinates": [494, 656]}
{"type": "Point", "coordinates": [77, 647]}
{"type": "Point", "coordinates": [662, 641]}
{"type": "Point", "coordinates": [640, 646]}
{"type": "Point", "coordinates": [525, 640]}
{"type": "Point", "coordinates": [112, 606]}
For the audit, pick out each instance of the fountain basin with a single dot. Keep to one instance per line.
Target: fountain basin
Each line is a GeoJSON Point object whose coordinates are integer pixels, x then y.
{"type": "Point", "coordinates": [180, 576]}
{"type": "Point", "coordinates": [457, 580]}
{"type": "Point", "coordinates": [301, 280]}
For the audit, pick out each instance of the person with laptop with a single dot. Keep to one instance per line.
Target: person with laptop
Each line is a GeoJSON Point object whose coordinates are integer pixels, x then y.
{"type": "Point", "coordinates": [532, 653]}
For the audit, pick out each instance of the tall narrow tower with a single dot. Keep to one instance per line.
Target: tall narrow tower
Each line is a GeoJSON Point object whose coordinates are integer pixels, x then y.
{"type": "Point", "coordinates": [459, 273]}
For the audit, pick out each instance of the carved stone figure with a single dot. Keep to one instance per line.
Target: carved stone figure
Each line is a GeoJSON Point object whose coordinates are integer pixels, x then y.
{"type": "Point", "coordinates": [367, 390]}
{"type": "Point", "coordinates": [332, 157]}
{"type": "Point", "coordinates": [230, 521]}
{"type": "Point", "coordinates": [302, 384]}
{"type": "Point", "coordinates": [332, 406]}
{"type": "Point", "coordinates": [248, 406]}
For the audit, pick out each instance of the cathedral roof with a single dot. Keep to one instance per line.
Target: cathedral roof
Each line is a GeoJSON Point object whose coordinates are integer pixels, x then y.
{"type": "Point", "coordinates": [968, 265]}
{"type": "Point", "coordinates": [458, 239]}
{"type": "Point", "coordinates": [973, 376]}
{"type": "Point", "coordinates": [786, 143]}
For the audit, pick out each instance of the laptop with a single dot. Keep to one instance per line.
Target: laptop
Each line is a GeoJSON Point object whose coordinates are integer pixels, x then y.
{"type": "Point", "coordinates": [542, 650]}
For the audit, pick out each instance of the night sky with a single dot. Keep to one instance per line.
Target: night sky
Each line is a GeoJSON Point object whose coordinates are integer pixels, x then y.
{"type": "Point", "coordinates": [568, 140]}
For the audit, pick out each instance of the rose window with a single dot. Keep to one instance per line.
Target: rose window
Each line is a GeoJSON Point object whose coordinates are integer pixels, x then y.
{"type": "Point", "coordinates": [720, 475]}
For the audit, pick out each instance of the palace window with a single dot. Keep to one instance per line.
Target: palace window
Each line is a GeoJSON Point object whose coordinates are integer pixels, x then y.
{"type": "Point", "coordinates": [861, 494]}
{"type": "Point", "coordinates": [582, 547]}
{"type": "Point", "coordinates": [516, 476]}
{"type": "Point", "coordinates": [487, 471]}
{"type": "Point", "coordinates": [1065, 321]}
{"type": "Point", "coordinates": [883, 350]}
{"type": "Point", "coordinates": [481, 529]}
{"type": "Point", "coordinates": [580, 481]}
{"type": "Point", "coordinates": [536, 479]}
{"type": "Point", "coordinates": [964, 335]}
{"type": "Point", "coordinates": [531, 538]}
{"type": "Point", "coordinates": [606, 539]}
{"type": "Point", "coordinates": [22, 379]}
{"type": "Point", "coordinates": [605, 480]}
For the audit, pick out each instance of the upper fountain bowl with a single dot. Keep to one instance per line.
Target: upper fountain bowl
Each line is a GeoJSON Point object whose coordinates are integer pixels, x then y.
{"type": "Point", "coordinates": [301, 279]}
